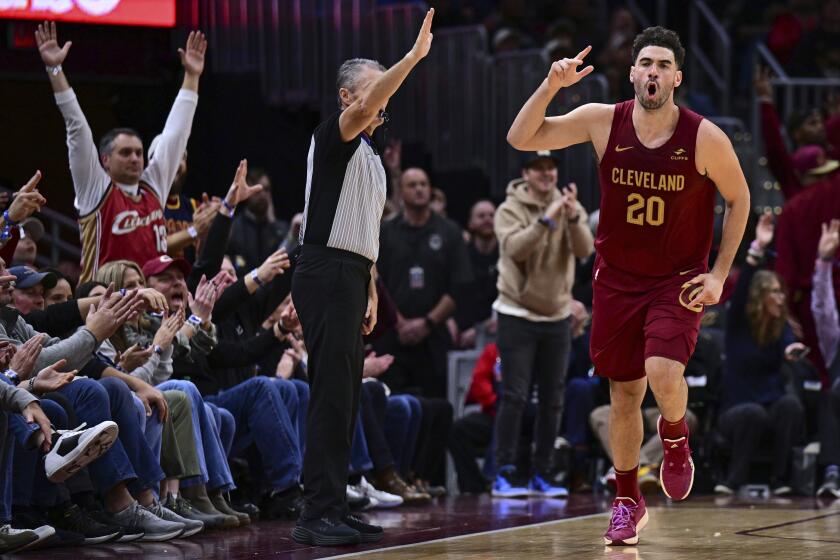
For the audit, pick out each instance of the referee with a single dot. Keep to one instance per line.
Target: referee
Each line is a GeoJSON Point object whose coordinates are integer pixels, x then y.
{"type": "Point", "coordinates": [333, 288]}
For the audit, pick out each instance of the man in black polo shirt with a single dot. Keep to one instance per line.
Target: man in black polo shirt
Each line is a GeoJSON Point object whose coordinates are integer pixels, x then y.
{"type": "Point", "coordinates": [422, 259]}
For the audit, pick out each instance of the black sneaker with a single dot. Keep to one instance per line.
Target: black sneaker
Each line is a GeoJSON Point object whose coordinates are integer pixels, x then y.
{"type": "Point", "coordinates": [128, 533]}
{"type": "Point", "coordinates": [70, 517]}
{"type": "Point", "coordinates": [285, 504]}
{"type": "Point", "coordinates": [325, 532]}
{"type": "Point", "coordinates": [30, 518]}
{"type": "Point", "coordinates": [358, 504]}
{"type": "Point", "coordinates": [367, 532]}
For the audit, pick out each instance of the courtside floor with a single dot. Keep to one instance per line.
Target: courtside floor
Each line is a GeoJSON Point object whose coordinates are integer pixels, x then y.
{"type": "Point", "coordinates": [478, 528]}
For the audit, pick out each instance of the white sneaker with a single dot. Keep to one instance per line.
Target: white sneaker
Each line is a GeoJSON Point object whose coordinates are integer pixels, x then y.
{"type": "Point", "coordinates": [382, 499]}
{"type": "Point", "coordinates": [12, 540]}
{"type": "Point", "coordinates": [45, 534]}
{"type": "Point", "coordinates": [74, 449]}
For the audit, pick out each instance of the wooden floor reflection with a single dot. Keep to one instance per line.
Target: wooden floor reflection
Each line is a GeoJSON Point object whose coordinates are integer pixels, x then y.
{"type": "Point", "coordinates": [481, 528]}
{"type": "Point", "coordinates": [677, 532]}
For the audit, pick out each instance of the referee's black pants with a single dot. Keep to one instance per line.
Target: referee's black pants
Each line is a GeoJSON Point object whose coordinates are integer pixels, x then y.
{"type": "Point", "coordinates": [329, 290]}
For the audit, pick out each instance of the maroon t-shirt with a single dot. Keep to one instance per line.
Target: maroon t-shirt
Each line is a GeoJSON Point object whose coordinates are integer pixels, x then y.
{"type": "Point", "coordinates": [657, 211]}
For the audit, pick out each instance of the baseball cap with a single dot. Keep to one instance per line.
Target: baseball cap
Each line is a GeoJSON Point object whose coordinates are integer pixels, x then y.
{"type": "Point", "coordinates": [157, 265]}
{"type": "Point", "coordinates": [529, 158]}
{"type": "Point", "coordinates": [26, 277]}
{"type": "Point", "coordinates": [812, 160]}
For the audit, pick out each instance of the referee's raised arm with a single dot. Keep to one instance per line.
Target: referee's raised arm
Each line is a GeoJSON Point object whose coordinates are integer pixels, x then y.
{"type": "Point", "coordinates": [333, 287]}
{"type": "Point", "coordinates": [367, 106]}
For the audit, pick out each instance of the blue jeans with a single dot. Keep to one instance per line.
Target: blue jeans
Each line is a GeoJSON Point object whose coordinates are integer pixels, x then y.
{"type": "Point", "coordinates": [360, 460]}
{"type": "Point", "coordinates": [295, 393]}
{"type": "Point", "coordinates": [212, 459]}
{"type": "Point", "coordinates": [151, 426]}
{"type": "Point", "coordinates": [6, 454]}
{"type": "Point", "coordinates": [225, 425]}
{"type": "Point", "coordinates": [130, 459]}
{"type": "Point", "coordinates": [262, 419]}
{"type": "Point", "coordinates": [31, 485]}
{"type": "Point", "coordinates": [580, 401]}
{"type": "Point", "coordinates": [403, 415]}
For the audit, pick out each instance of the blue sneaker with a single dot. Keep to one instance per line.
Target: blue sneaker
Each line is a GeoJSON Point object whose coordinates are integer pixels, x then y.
{"type": "Point", "coordinates": [538, 487]}
{"type": "Point", "coordinates": [505, 487]}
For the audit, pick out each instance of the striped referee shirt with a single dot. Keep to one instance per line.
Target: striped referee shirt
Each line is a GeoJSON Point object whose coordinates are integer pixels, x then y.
{"type": "Point", "coordinates": [345, 192]}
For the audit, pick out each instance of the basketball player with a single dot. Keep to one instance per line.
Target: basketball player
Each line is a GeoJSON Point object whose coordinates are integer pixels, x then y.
{"type": "Point", "coordinates": [659, 165]}
{"type": "Point", "coordinates": [119, 199]}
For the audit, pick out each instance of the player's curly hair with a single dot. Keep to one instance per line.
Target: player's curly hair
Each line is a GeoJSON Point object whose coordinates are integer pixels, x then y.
{"type": "Point", "coordinates": [659, 37]}
{"type": "Point", "coordinates": [765, 328]}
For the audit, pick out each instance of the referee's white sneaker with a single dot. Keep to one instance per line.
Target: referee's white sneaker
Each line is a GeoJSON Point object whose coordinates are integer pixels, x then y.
{"type": "Point", "coordinates": [380, 498]}
{"type": "Point", "coordinates": [75, 449]}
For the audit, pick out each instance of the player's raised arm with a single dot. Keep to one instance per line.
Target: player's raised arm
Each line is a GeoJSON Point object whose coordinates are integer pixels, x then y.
{"type": "Point", "coordinates": [717, 160]}
{"type": "Point", "coordinates": [365, 109]}
{"type": "Point", "coordinates": [89, 179]}
{"type": "Point", "coordinates": [532, 130]}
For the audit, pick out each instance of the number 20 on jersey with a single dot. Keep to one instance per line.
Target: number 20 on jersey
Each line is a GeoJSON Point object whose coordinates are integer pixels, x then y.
{"type": "Point", "coordinates": [641, 210]}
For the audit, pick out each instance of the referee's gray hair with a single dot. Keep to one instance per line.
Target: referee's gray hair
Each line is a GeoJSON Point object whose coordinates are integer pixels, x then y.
{"type": "Point", "coordinates": [348, 73]}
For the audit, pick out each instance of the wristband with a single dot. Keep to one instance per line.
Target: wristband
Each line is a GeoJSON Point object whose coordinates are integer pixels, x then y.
{"type": "Point", "coordinates": [31, 385]}
{"type": "Point", "coordinates": [13, 376]}
{"type": "Point", "coordinates": [230, 209]}
{"type": "Point", "coordinates": [195, 321]}
{"type": "Point", "coordinates": [122, 292]}
{"type": "Point", "coordinates": [192, 231]}
{"type": "Point", "coordinates": [256, 277]}
{"type": "Point", "coordinates": [54, 70]}
{"type": "Point", "coordinates": [7, 220]}
{"type": "Point", "coordinates": [158, 350]}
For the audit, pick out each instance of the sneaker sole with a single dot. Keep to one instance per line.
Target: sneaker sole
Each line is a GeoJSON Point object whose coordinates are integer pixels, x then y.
{"type": "Point", "coordinates": [662, 470]}
{"type": "Point", "coordinates": [94, 449]}
{"type": "Point", "coordinates": [305, 536]}
{"type": "Point", "coordinates": [162, 536]}
{"type": "Point", "coordinates": [370, 537]}
{"type": "Point", "coordinates": [520, 494]}
{"type": "Point", "coordinates": [538, 494]}
{"type": "Point", "coordinates": [388, 505]}
{"type": "Point", "coordinates": [191, 532]}
{"type": "Point", "coordinates": [633, 540]}
{"type": "Point", "coordinates": [130, 538]}
{"type": "Point", "coordinates": [102, 539]}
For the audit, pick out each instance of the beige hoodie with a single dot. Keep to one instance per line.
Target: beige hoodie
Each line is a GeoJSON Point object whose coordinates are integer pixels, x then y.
{"type": "Point", "coordinates": [536, 264]}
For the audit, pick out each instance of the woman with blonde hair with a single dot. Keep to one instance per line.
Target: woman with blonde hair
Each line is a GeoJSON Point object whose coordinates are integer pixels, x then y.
{"type": "Point", "coordinates": [758, 341]}
{"type": "Point", "coordinates": [146, 349]}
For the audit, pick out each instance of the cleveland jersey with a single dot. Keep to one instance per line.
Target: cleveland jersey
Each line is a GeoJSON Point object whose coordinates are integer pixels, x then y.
{"type": "Point", "coordinates": [178, 213]}
{"type": "Point", "coordinates": [122, 227]}
{"type": "Point", "coordinates": [657, 211]}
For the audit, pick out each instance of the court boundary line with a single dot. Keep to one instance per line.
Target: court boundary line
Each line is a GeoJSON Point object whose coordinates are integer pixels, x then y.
{"type": "Point", "coordinates": [459, 537]}
{"type": "Point", "coordinates": [752, 532]}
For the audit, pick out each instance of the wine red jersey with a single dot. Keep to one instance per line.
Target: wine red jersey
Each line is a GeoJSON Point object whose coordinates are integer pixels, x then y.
{"type": "Point", "coordinates": [657, 211]}
{"type": "Point", "coordinates": [122, 227]}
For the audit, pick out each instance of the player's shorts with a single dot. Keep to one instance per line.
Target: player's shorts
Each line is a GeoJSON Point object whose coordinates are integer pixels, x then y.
{"type": "Point", "coordinates": [635, 318]}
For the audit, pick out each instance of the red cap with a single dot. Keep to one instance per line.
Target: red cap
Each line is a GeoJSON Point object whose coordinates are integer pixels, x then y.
{"type": "Point", "coordinates": [811, 160]}
{"type": "Point", "coordinates": [163, 262]}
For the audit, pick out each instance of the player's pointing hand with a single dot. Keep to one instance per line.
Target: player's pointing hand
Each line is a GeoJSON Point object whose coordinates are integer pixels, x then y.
{"type": "Point", "coordinates": [564, 73]}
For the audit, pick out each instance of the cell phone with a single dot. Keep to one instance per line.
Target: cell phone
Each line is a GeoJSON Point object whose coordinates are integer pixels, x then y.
{"type": "Point", "coordinates": [800, 353]}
